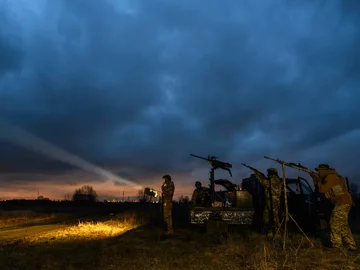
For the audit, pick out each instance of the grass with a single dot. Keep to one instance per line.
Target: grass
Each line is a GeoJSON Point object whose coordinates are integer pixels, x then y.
{"type": "Point", "coordinates": [27, 218]}
{"type": "Point", "coordinates": [123, 242]}
{"type": "Point", "coordinates": [86, 231]}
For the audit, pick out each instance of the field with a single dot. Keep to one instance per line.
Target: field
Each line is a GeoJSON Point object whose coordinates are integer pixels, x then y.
{"type": "Point", "coordinates": [133, 240]}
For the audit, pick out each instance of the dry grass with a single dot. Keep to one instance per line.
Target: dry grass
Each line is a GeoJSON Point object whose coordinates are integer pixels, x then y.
{"type": "Point", "coordinates": [18, 218]}
{"type": "Point", "coordinates": [89, 230]}
{"type": "Point", "coordinates": [110, 243]}
{"type": "Point", "coordinates": [194, 251]}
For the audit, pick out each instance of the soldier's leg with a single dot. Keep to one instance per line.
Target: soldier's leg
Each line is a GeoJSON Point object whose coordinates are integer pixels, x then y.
{"type": "Point", "coordinates": [266, 216]}
{"type": "Point", "coordinates": [168, 218]}
{"type": "Point", "coordinates": [170, 226]}
{"type": "Point", "coordinates": [276, 209]}
{"type": "Point", "coordinates": [267, 221]}
{"type": "Point", "coordinates": [346, 233]}
{"type": "Point", "coordinates": [336, 225]}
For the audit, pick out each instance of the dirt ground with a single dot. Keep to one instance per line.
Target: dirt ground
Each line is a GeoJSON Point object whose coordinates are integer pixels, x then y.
{"type": "Point", "coordinates": [127, 241]}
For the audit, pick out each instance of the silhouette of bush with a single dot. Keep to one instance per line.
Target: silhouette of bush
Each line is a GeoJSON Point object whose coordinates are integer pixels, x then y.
{"type": "Point", "coordinates": [85, 193]}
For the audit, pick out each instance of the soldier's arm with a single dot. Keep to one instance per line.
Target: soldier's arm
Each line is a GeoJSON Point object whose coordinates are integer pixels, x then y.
{"type": "Point", "coordinates": [315, 177]}
{"type": "Point", "coordinates": [262, 178]}
{"type": "Point", "coordinates": [328, 183]}
{"type": "Point", "coordinates": [172, 188]}
{"type": "Point", "coordinates": [165, 191]}
{"type": "Point", "coordinates": [317, 181]}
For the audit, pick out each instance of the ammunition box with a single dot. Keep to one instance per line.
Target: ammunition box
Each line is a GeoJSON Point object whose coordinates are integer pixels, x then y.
{"type": "Point", "coordinates": [217, 204]}
{"type": "Point", "coordinates": [216, 226]}
{"type": "Point", "coordinates": [244, 199]}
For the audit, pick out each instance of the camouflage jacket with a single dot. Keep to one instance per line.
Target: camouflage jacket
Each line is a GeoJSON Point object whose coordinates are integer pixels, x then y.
{"type": "Point", "coordinates": [276, 185]}
{"type": "Point", "coordinates": [168, 189]}
{"type": "Point", "coordinates": [333, 186]}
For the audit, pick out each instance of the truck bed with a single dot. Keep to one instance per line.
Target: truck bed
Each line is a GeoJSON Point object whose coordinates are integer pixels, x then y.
{"type": "Point", "coordinates": [232, 215]}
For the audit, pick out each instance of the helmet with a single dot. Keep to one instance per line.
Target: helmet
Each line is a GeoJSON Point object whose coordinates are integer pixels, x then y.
{"type": "Point", "coordinates": [272, 171]}
{"type": "Point", "coordinates": [322, 167]}
{"type": "Point", "coordinates": [197, 184]}
{"type": "Point", "coordinates": [167, 177]}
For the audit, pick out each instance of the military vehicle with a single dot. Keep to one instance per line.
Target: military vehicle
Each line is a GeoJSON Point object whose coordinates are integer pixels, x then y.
{"type": "Point", "coordinates": [233, 205]}
{"type": "Point", "coordinates": [310, 209]}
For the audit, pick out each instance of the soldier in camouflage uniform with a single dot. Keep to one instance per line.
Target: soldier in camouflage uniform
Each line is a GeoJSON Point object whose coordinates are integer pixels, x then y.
{"type": "Point", "coordinates": [328, 182]}
{"type": "Point", "coordinates": [200, 195]}
{"type": "Point", "coordinates": [168, 189]}
{"type": "Point", "coordinates": [273, 187]}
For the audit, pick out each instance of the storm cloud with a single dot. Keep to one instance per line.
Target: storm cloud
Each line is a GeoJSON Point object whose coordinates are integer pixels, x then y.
{"type": "Point", "coordinates": [136, 86]}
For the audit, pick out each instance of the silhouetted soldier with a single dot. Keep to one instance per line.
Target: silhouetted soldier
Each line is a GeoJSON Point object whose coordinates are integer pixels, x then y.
{"type": "Point", "coordinates": [200, 196]}
{"type": "Point", "coordinates": [273, 187]}
{"type": "Point", "coordinates": [168, 189]}
{"type": "Point", "coordinates": [328, 182]}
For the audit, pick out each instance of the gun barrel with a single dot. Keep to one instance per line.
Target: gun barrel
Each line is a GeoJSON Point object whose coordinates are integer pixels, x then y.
{"type": "Point", "coordinates": [276, 160]}
{"type": "Point", "coordinates": [291, 165]}
{"type": "Point", "coordinates": [199, 157]}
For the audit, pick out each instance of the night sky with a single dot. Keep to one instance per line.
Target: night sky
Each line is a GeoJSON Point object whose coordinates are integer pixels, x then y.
{"type": "Point", "coordinates": [136, 86]}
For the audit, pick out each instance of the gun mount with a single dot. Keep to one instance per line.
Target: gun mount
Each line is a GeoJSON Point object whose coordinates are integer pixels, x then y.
{"type": "Point", "coordinates": [215, 164]}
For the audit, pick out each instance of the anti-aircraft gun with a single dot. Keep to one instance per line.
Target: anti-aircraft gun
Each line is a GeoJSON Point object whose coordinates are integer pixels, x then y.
{"type": "Point", "coordinates": [215, 164]}
{"type": "Point", "coordinates": [233, 205]}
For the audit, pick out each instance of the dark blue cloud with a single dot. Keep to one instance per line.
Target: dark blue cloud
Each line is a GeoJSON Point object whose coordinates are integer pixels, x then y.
{"type": "Point", "coordinates": [140, 85]}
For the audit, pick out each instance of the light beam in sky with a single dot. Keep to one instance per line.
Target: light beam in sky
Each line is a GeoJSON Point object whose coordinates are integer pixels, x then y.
{"type": "Point", "coordinates": [24, 138]}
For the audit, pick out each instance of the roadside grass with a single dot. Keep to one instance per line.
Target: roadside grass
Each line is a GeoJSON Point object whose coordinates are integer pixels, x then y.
{"type": "Point", "coordinates": [124, 242]}
{"type": "Point", "coordinates": [191, 250]}
{"type": "Point", "coordinates": [20, 218]}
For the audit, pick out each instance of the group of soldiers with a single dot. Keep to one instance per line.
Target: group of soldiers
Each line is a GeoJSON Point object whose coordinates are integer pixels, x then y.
{"type": "Point", "coordinates": [326, 181]}
{"type": "Point", "coordinates": [200, 197]}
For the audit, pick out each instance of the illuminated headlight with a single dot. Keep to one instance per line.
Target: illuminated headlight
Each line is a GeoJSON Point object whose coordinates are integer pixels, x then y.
{"type": "Point", "coordinates": [150, 192]}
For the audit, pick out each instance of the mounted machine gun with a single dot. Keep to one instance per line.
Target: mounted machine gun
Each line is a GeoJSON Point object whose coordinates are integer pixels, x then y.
{"type": "Point", "coordinates": [215, 164]}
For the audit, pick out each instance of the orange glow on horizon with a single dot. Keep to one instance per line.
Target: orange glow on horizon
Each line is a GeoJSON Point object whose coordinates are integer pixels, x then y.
{"type": "Point", "coordinates": [59, 192]}
{"type": "Point", "coordinates": [59, 186]}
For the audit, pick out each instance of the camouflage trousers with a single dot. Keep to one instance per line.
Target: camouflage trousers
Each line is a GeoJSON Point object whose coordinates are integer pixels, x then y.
{"type": "Point", "coordinates": [267, 215]}
{"type": "Point", "coordinates": [340, 232]}
{"type": "Point", "coordinates": [168, 217]}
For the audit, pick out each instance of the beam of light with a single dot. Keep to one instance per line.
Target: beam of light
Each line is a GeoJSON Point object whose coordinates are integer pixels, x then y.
{"type": "Point", "coordinates": [24, 138]}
